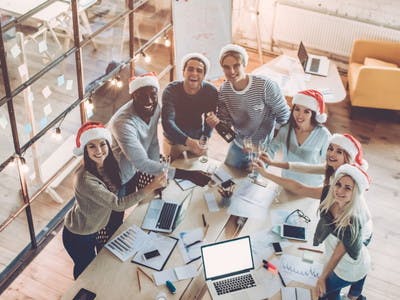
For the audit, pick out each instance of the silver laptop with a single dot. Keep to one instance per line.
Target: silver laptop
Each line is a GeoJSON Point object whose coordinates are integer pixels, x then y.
{"type": "Point", "coordinates": [165, 216]}
{"type": "Point", "coordinates": [313, 64]}
{"type": "Point", "coordinates": [228, 270]}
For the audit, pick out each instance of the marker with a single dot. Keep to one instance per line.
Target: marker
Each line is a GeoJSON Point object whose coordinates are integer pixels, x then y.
{"type": "Point", "coordinates": [192, 244]}
{"type": "Point", "coordinates": [171, 287]}
{"type": "Point", "coordinates": [269, 266]}
{"type": "Point", "coordinates": [194, 259]}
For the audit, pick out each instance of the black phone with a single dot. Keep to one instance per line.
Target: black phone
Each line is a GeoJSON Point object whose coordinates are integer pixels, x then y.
{"type": "Point", "coordinates": [151, 254]}
{"type": "Point", "coordinates": [84, 294]}
{"type": "Point", "coordinates": [227, 184]}
{"type": "Point", "coordinates": [277, 248]}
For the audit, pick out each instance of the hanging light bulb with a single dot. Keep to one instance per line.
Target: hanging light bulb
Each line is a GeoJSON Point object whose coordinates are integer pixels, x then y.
{"type": "Point", "coordinates": [167, 42]}
{"type": "Point", "coordinates": [119, 81]}
{"type": "Point", "coordinates": [57, 134]}
{"type": "Point", "coordinates": [12, 162]}
{"type": "Point", "coordinates": [24, 166]}
{"type": "Point", "coordinates": [146, 58]}
{"type": "Point", "coordinates": [89, 104]}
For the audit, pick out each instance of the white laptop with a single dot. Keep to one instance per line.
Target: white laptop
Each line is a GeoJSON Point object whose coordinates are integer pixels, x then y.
{"type": "Point", "coordinates": [313, 64]}
{"type": "Point", "coordinates": [165, 216]}
{"type": "Point", "coordinates": [228, 270]}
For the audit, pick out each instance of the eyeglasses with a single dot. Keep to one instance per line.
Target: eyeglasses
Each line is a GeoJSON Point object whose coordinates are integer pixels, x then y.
{"type": "Point", "coordinates": [300, 214]}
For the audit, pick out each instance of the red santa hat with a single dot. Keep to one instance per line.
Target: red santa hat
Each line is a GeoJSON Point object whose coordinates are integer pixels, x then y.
{"type": "Point", "coordinates": [312, 99]}
{"type": "Point", "coordinates": [90, 131]}
{"type": "Point", "coordinates": [360, 176]}
{"type": "Point", "coordinates": [148, 79]}
{"type": "Point", "coordinates": [234, 48]}
{"type": "Point", "coordinates": [352, 146]}
{"type": "Point", "coordinates": [199, 56]}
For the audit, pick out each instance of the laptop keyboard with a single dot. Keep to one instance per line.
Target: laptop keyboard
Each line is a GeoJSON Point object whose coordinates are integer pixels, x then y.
{"type": "Point", "coordinates": [234, 284]}
{"type": "Point", "coordinates": [166, 215]}
{"type": "Point", "coordinates": [315, 64]}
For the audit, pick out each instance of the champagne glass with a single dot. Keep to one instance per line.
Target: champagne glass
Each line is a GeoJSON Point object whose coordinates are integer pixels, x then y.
{"type": "Point", "coordinates": [203, 140]}
{"type": "Point", "coordinates": [253, 155]}
{"type": "Point", "coordinates": [165, 164]}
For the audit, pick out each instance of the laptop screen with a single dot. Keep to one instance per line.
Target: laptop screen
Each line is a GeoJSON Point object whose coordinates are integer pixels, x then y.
{"type": "Point", "coordinates": [302, 55]}
{"type": "Point", "coordinates": [227, 258]}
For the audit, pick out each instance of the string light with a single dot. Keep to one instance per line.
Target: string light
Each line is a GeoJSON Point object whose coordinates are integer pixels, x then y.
{"type": "Point", "coordinates": [146, 58]}
{"type": "Point", "coordinates": [167, 42]}
{"type": "Point", "coordinates": [57, 134]}
{"type": "Point", "coordinates": [119, 81]}
{"type": "Point", "coordinates": [89, 103]}
{"type": "Point", "coordinates": [12, 162]}
{"type": "Point", "coordinates": [24, 166]}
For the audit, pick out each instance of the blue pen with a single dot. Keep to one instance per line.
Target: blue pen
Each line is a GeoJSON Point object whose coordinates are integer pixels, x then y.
{"type": "Point", "coordinates": [171, 287]}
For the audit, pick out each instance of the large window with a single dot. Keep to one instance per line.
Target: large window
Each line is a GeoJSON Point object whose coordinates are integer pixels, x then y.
{"type": "Point", "coordinates": [52, 71]}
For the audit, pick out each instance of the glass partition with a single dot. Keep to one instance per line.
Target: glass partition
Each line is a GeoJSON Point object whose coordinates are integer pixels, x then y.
{"type": "Point", "coordinates": [6, 138]}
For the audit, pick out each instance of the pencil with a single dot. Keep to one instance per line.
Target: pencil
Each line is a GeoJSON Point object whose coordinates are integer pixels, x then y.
{"type": "Point", "coordinates": [145, 274]}
{"type": "Point", "coordinates": [280, 276]}
{"type": "Point", "coordinates": [194, 259]}
{"type": "Point", "coordinates": [205, 231]}
{"type": "Point", "coordinates": [312, 250]}
{"type": "Point", "coordinates": [138, 280]}
{"type": "Point", "coordinates": [204, 220]}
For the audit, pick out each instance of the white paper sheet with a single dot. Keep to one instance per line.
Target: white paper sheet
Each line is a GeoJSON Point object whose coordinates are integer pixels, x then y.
{"type": "Point", "coordinates": [251, 200]}
{"type": "Point", "coordinates": [211, 202]}
{"type": "Point", "coordinates": [15, 51]}
{"type": "Point", "coordinates": [175, 274]}
{"type": "Point", "coordinates": [294, 268]}
{"type": "Point", "coordinates": [222, 174]}
{"type": "Point", "coordinates": [190, 243]}
{"type": "Point", "coordinates": [295, 293]}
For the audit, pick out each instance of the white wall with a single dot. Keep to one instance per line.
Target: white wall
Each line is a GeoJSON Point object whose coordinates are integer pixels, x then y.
{"type": "Point", "coordinates": [384, 13]}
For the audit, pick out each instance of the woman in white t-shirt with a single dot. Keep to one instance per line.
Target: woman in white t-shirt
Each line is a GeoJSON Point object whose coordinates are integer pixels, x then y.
{"type": "Point", "coordinates": [341, 228]}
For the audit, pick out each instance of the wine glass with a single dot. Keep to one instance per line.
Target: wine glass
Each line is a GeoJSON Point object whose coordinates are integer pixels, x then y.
{"type": "Point", "coordinates": [253, 155]}
{"type": "Point", "coordinates": [203, 140]}
{"type": "Point", "coordinates": [165, 164]}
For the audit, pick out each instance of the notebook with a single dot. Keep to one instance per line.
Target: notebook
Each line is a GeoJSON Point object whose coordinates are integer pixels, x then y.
{"type": "Point", "coordinates": [228, 270]}
{"type": "Point", "coordinates": [165, 216]}
{"type": "Point", "coordinates": [313, 64]}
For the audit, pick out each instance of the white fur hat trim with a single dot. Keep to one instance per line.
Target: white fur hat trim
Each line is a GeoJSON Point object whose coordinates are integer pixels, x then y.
{"type": "Point", "coordinates": [142, 81]}
{"type": "Point", "coordinates": [359, 176]}
{"type": "Point", "coordinates": [92, 134]}
{"type": "Point", "coordinates": [234, 48]}
{"type": "Point", "coordinates": [200, 56]}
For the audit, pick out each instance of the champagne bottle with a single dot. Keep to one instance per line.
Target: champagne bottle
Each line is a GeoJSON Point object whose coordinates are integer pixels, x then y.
{"type": "Point", "coordinates": [224, 130]}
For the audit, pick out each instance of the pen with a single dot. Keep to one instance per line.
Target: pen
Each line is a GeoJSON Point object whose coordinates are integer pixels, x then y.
{"type": "Point", "coordinates": [204, 220]}
{"type": "Point", "coordinates": [145, 274]}
{"type": "Point", "coordinates": [192, 244]}
{"type": "Point", "coordinates": [205, 231]}
{"type": "Point", "coordinates": [269, 266]}
{"type": "Point", "coordinates": [194, 259]}
{"type": "Point", "coordinates": [138, 280]}
{"type": "Point", "coordinates": [309, 249]}
{"type": "Point", "coordinates": [280, 276]}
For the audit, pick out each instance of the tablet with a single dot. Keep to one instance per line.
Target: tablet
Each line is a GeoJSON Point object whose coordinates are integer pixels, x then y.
{"type": "Point", "coordinates": [293, 232]}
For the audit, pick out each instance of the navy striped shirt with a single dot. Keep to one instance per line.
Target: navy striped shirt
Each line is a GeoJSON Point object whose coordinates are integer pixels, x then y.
{"type": "Point", "coordinates": [253, 111]}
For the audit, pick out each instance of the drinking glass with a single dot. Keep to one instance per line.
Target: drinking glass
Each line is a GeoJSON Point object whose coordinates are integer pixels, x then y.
{"type": "Point", "coordinates": [165, 164]}
{"type": "Point", "coordinates": [203, 140]}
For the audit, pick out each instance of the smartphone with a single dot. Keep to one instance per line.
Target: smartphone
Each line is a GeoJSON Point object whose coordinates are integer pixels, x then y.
{"type": "Point", "coordinates": [150, 254]}
{"type": "Point", "coordinates": [84, 294]}
{"type": "Point", "coordinates": [227, 184]}
{"type": "Point", "coordinates": [293, 232]}
{"type": "Point", "coordinates": [277, 248]}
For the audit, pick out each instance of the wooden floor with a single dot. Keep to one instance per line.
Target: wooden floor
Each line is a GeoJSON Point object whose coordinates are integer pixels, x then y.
{"type": "Point", "coordinates": [50, 274]}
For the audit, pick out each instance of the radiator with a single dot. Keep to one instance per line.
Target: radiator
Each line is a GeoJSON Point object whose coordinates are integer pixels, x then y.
{"type": "Point", "coordinates": [324, 32]}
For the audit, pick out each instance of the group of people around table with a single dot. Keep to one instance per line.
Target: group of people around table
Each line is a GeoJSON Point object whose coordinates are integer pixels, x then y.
{"type": "Point", "coordinates": [121, 162]}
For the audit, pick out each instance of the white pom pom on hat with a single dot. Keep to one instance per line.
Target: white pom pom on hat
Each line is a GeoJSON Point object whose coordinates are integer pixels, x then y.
{"type": "Point", "coordinates": [312, 99]}
{"type": "Point", "coordinates": [234, 48]}
{"type": "Point", "coordinates": [90, 131]}
{"type": "Point", "coordinates": [199, 56]}
{"type": "Point", "coordinates": [352, 146]}
{"type": "Point", "coordinates": [148, 79]}
{"type": "Point", "coordinates": [359, 175]}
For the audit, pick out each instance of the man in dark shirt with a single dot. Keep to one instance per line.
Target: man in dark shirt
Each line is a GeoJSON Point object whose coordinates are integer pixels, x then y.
{"type": "Point", "coordinates": [184, 105]}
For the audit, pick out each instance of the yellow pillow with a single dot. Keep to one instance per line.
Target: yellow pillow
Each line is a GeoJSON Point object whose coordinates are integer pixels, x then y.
{"type": "Point", "coordinates": [368, 61]}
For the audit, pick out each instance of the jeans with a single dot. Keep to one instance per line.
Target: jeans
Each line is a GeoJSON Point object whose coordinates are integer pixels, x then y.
{"type": "Point", "coordinates": [81, 248]}
{"type": "Point", "coordinates": [334, 284]}
{"type": "Point", "coordinates": [236, 157]}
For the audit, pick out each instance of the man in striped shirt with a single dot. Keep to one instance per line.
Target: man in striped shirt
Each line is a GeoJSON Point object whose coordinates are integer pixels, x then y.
{"type": "Point", "coordinates": [251, 104]}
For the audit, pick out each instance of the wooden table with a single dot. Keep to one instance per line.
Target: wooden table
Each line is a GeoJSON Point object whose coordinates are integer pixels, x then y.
{"type": "Point", "coordinates": [110, 278]}
{"type": "Point", "coordinates": [289, 74]}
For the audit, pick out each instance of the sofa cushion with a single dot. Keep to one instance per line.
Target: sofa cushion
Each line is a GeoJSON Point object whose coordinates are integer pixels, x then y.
{"type": "Point", "coordinates": [373, 62]}
{"type": "Point", "coordinates": [352, 74]}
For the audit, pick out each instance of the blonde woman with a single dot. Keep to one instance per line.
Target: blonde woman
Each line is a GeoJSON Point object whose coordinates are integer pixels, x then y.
{"type": "Point", "coordinates": [344, 222]}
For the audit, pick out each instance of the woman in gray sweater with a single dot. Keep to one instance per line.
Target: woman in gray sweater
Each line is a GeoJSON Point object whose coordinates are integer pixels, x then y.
{"type": "Point", "coordinates": [96, 185]}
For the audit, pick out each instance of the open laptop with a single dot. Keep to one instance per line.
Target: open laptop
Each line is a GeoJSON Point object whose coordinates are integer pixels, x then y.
{"type": "Point", "coordinates": [313, 64]}
{"type": "Point", "coordinates": [228, 268]}
{"type": "Point", "coordinates": [165, 216]}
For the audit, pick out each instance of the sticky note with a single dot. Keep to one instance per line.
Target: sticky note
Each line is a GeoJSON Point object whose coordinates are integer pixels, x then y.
{"type": "Point", "coordinates": [27, 128]}
{"type": "Point", "coordinates": [47, 109]}
{"type": "Point", "coordinates": [60, 80]}
{"type": "Point", "coordinates": [42, 46]}
{"type": "Point", "coordinates": [23, 70]}
{"type": "Point", "coordinates": [68, 86]}
{"type": "Point", "coordinates": [43, 122]}
{"type": "Point", "coordinates": [46, 92]}
{"type": "Point", "coordinates": [15, 51]}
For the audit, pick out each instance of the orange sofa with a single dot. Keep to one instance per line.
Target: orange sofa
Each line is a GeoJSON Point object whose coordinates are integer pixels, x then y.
{"type": "Point", "coordinates": [374, 74]}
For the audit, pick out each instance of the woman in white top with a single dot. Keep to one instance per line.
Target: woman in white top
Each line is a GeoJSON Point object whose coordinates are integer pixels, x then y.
{"type": "Point", "coordinates": [304, 138]}
{"type": "Point", "coordinates": [341, 228]}
{"type": "Point", "coordinates": [342, 149]}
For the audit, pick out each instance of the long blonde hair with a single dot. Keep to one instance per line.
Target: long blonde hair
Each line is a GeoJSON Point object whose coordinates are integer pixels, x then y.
{"type": "Point", "coordinates": [353, 210]}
